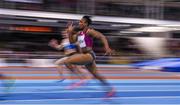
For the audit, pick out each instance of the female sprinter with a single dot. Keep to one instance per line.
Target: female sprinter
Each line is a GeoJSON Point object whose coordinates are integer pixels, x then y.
{"type": "Point", "coordinates": [69, 49]}
{"type": "Point", "coordinates": [87, 57]}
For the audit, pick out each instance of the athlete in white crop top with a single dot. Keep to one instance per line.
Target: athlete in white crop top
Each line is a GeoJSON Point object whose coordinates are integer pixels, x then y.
{"type": "Point", "coordinates": [69, 49]}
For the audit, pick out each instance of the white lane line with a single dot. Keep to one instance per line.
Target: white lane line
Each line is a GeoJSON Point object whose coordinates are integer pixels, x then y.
{"type": "Point", "coordinates": [87, 86]}
{"type": "Point", "coordinates": [110, 80]}
{"type": "Point", "coordinates": [87, 91]}
{"type": "Point", "coordinates": [88, 104]}
{"type": "Point", "coordinates": [113, 98]}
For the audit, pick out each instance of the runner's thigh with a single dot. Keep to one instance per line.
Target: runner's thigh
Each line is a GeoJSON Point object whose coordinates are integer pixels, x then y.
{"type": "Point", "coordinates": [60, 61]}
{"type": "Point", "coordinates": [79, 59]}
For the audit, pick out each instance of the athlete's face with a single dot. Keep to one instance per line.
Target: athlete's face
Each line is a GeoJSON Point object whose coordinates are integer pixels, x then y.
{"type": "Point", "coordinates": [82, 23]}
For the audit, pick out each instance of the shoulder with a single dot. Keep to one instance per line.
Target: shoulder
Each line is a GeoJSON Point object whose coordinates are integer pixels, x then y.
{"type": "Point", "coordinates": [90, 31]}
{"type": "Point", "coordinates": [64, 41]}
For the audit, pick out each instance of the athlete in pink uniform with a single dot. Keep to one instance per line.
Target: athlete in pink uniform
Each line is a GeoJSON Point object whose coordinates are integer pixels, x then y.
{"type": "Point", "coordinates": [87, 57]}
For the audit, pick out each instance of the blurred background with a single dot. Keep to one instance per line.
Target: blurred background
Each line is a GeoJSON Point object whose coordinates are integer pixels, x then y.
{"type": "Point", "coordinates": [137, 30]}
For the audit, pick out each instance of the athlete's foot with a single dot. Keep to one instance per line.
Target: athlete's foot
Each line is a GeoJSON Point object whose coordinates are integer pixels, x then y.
{"type": "Point", "coordinates": [76, 85]}
{"type": "Point", "coordinates": [110, 93]}
{"type": "Point", "coordinates": [8, 84]}
{"type": "Point", "coordinates": [61, 80]}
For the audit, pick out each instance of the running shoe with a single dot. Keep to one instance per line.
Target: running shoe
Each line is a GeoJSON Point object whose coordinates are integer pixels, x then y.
{"type": "Point", "coordinates": [110, 93]}
{"type": "Point", "coordinates": [8, 84]}
{"type": "Point", "coordinates": [76, 85]}
{"type": "Point", "coordinates": [61, 80]}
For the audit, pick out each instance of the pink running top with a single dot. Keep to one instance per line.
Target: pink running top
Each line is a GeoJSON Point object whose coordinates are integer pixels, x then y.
{"type": "Point", "coordinates": [85, 40]}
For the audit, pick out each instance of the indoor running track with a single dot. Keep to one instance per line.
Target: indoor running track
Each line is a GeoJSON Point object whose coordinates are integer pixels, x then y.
{"type": "Point", "coordinates": [133, 87]}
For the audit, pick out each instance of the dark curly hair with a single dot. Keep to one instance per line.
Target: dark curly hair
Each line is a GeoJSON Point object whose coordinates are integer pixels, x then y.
{"type": "Point", "coordinates": [88, 19]}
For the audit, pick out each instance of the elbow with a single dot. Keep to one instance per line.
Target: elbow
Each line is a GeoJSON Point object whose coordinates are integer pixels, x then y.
{"type": "Point", "coordinates": [102, 37]}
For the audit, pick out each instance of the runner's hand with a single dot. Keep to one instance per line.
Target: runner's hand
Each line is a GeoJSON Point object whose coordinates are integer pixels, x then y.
{"type": "Point", "coordinates": [109, 51]}
{"type": "Point", "coordinates": [53, 43]}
